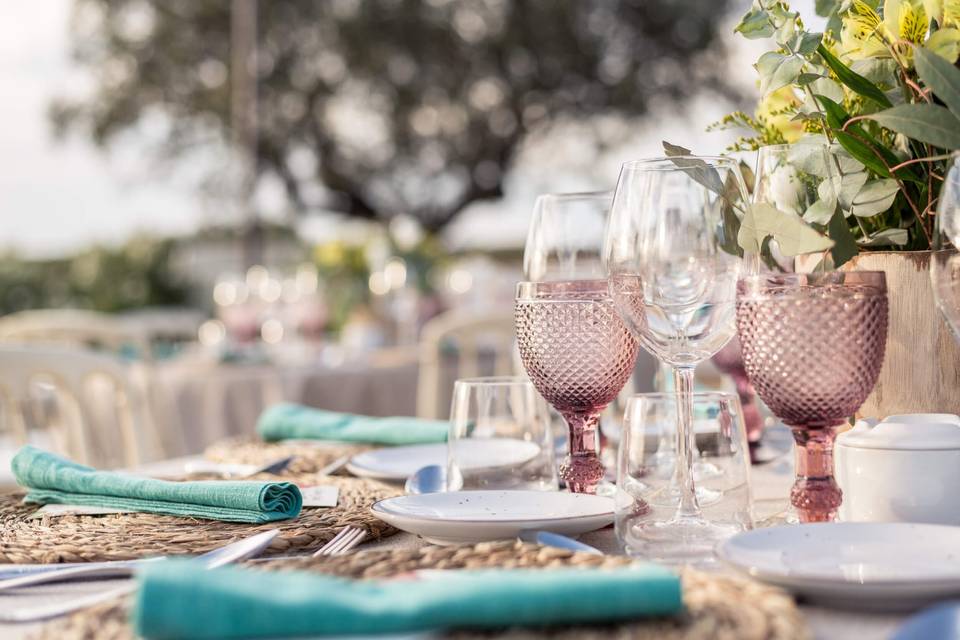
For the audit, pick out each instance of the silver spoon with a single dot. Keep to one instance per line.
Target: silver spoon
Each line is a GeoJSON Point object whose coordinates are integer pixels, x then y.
{"type": "Point", "coordinates": [550, 539]}
{"type": "Point", "coordinates": [429, 479]}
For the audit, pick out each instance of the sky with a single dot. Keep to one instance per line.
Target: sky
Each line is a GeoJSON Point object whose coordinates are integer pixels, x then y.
{"type": "Point", "coordinates": [57, 196]}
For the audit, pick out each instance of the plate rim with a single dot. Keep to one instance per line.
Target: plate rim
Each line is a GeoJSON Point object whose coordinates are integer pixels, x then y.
{"type": "Point", "coordinates": [377, 508]}
{"type": "Point", "coordinates": [808, 580]}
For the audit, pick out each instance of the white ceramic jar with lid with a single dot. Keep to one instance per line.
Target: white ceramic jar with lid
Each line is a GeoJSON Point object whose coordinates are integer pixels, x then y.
{"type": "Point", "coordinates": [903, 469]}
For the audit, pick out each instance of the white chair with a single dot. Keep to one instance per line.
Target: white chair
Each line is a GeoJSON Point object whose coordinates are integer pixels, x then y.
{"type": "Point", "coordinates": [475, 337]}
{"type": "Point", "coordinates": [75, 328]}
{"type": "Point", "coordinates": [88, 403]}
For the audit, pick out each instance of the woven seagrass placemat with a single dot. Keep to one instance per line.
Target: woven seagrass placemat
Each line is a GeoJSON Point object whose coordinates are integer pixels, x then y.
{"type": "Point", "coordinates": [718, 607]}
{"type": "Point", "coordinates": [135, 535]}
{"type": "Point", "coordinates": [308, 457]}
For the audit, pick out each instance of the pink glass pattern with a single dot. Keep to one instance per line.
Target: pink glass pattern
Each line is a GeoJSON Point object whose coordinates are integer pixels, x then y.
{"type": "Point", "coordinates": [579, 355]}
{"type": "Point", "coordinates": [813, 347]}
{"type": "Point", "coordinates": [729, 361]}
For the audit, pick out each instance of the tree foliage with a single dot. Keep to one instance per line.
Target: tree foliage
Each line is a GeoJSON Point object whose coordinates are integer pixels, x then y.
{"type": "Point", "coordinates": [378, 107]}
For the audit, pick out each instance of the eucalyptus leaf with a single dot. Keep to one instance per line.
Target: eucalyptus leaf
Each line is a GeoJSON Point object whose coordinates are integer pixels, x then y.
{"type": "Point", "coordinates": [826, 7]}
{"type": "Point", "coordinates": [941, 76]}
{"type": "Point", "coordinates": [845, 245]}
{"type": "Point", "coordinates": [850, 186]}
{"type": "Point", "coordinates": [809, 156]}
{"type": "Point", "coordinates": [829, 88]}
{"type": "Point", "coordinates": [698, 169]}
{"type": "Point", "coordinates": [807, 42]}
{"type": "Point", "coordinates": [793, 235]}
{"type": "Point", "coordinates": [755, 24]}
{"type": "Point", "coordinates": [875, 197]}
{"type": "Point", "coordinates": [876, 70]}
{"type": "Point", "coordinates": [820, 211]}
{"type": "Point", "coordinates": [848, 164]}
{"type": "Point", "coordinates": [853, 80]}
{"type": "Point", "coordinates": [777, 70]}
{"type": "Point", "coordinates": [928, 123]}
{"type": "Point", "coordinates": [806, 78]}
{"type": "Point", "coordinates": [886, 238]}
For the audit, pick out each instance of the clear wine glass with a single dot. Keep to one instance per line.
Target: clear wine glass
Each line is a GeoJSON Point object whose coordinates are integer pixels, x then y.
{"type": "Point", "coordinates": [673, 262]}
{"type": "Point", "coordinates": [945, 265]}
{"type": "Point", "coordinates": [565, 238]}
{"type": "Point", "coordinates": [802, 180]}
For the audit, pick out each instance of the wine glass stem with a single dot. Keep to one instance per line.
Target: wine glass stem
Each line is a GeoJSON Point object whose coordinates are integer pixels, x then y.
{"type": "Point", "coordinates": [815, 493]}
{"type": "Point", "coordinates": [582, 470]}
{"type": "Point", "coordinates": [683, 380]}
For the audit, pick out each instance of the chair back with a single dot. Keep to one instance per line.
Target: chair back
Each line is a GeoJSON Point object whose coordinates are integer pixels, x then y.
{"type": "Point", "coordinates": [483, 345]}
{"type": "Point", "coordinates": [74, 328]}
{"type": "Point", "coordinates": [91, 405]}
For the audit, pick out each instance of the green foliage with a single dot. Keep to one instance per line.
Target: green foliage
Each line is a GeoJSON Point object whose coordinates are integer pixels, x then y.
{"type": "Point", "coordinates": [102, 279]}
{"type": "Point", "coordinates": [885, 93]}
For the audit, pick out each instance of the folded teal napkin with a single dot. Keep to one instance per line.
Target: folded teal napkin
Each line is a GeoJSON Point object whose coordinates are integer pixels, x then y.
{"type": "Point", "coordinates": [292, 421]}
{"type": "Point", "coordinates": [178, 599]}
{"type": "Point", "coordinates": [51, 479]}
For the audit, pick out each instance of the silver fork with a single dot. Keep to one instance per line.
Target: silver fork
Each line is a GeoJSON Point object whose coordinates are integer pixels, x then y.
{"type": "Point", "coordinates": [343, 542]}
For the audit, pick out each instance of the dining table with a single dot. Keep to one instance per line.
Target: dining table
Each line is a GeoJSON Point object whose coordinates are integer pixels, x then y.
{"type": "Point", "coordinates": [771, 483]}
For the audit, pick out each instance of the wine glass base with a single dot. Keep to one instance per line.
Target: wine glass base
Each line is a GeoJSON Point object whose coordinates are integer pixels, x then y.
{"type": "Point", "coordinates": [687, 541]}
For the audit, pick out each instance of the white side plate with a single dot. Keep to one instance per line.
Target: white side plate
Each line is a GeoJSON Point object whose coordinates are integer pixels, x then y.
{"type": "Point", "coordinates": [476, 516]}
{"type": "Point", "coordinates": [399, 463]}
{"type": "Point", "coordinates": [864, 565]}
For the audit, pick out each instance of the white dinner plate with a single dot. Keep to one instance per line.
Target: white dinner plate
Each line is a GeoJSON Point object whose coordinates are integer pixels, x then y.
{"type": "Point", "coordinates": [865, 565]}
{"type": "Point", "coordinates": [399, 463]}
{"type": "Point", "coordinates": [475, 516]}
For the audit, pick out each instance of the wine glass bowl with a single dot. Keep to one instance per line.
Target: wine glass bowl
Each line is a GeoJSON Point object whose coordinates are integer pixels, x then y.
{"type": "Point", "coordinates": [579, 355]}
{"type": "Point", "coordinates": [813, 346]}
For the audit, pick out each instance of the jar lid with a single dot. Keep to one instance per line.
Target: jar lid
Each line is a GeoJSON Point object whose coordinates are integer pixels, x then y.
{"type": "Point", "coordinates": [912, 431]}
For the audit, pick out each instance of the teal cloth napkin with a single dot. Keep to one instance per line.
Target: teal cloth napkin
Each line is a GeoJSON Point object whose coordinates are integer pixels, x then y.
{"type": "Point", "coordinates": [293, 421]}
{"type": "Point", "coordinates": [51, 479]}
{"type": "Point", "coordinates": [177, 599]}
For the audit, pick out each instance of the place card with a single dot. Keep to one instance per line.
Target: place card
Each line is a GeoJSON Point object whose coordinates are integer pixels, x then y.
{"type": "Point", "coordinates": [55, 510]}
{"type": "Point", "coordinates": [320, 496]}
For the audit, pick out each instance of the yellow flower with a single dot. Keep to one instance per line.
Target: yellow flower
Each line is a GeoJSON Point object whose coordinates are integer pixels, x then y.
{"type": "Point", "coordinates": [864, 33]}
{"type": "Point", "coordinates": [906, 19]}
{"type": "Point", "coordinates": [946, 13]}
{"type": "Point", "coordinates": [945, 43]}
{"type": "Point", "coordinates": [776, 111]}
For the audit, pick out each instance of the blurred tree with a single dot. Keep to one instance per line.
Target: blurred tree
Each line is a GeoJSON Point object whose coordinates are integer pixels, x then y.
{"type": "Point", "coordinates": [378, 107]}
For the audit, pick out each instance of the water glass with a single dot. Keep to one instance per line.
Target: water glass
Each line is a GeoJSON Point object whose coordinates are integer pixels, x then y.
{"type": "Point", "coordinates": [647, 497]}
{"type": "Point", "coordinates": [500, 436]}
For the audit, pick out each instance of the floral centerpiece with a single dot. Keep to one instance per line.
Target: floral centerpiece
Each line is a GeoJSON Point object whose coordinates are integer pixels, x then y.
{"type": "Point", "coordinates": [881, 87]}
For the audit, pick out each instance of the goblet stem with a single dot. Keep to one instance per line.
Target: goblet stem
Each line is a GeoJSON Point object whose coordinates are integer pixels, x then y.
{"type": "Point", "coordinates": [582, 469]}
{"type": "Point", "coordinates": [815, 493]}
{"type": "Point", "coordinates": [683, 476]}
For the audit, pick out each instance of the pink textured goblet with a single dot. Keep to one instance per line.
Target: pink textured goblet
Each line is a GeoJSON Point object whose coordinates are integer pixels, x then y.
{"type": "Point", "coordinates": [579, 354]}
{"type": "Point", "coordinates": [813, 346]}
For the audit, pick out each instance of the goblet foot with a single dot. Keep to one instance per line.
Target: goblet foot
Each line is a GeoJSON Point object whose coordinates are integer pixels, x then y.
{"type": "Point", "coordinates": [582, 473]}
{"type": "Point", "coordinates": [681, 540]}
{"type": "Point", "coordinates": [816, 499]}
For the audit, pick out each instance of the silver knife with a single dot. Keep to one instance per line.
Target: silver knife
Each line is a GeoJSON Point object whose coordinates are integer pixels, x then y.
{"type": "Point", "coordinates": [240, 550]}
